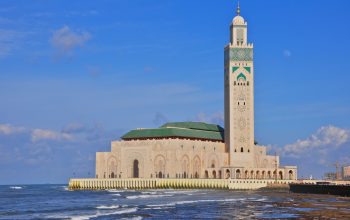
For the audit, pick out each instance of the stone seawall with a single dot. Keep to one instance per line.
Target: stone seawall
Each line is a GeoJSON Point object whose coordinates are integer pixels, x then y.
{"type": "Point", "coordinates": [228, 184]}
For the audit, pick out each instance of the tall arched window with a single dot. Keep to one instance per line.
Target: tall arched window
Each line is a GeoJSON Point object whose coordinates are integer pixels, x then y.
{"type": "Point", "coordinates": [136, 169]}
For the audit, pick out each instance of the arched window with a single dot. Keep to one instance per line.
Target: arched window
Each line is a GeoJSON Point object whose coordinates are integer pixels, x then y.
{"type": "Point", "coordinates": [241, 149]}
{"type": "Point", "coordinates": [206, 174]}
{"type": "Point", "coordinates": [214, 174]}
{"type": "Point", "coordinates": [196, 175]}
{"type": "Point", "coordinates": [238, 174]}
{"type": "Point", "coordinates": [280, 176]}
{"type": "Point", "coordinates": [291, 174]}
{"type": "Point", "coordinates": [136, 169]}
{"type": "Point", "coordinates": [228, 174]}
{"type": "Point", "coordinates": [213, 164]}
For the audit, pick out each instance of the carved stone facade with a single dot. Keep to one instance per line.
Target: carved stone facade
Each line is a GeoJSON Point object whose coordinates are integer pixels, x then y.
{"type": "Point", "coordinates": [180, 158]}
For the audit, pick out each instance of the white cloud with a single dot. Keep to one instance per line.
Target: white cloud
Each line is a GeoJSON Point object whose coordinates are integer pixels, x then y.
{"type": "Point", "coordinates": [42, 135]}
{"type": "Point", "coordinates": [287, 53]}
{"type": "Point", "coordinates": [75, 128]}
{"type": "Point", "coordinates": [9, 41]}
{"type": "Point", "coordinates": [325, 139]}
{"type": "Point", "coordinates": [66, 40]}
{"type": "Point", "coordinates": [7, 129]}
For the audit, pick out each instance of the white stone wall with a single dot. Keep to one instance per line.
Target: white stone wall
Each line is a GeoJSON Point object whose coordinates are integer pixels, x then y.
{"type": "Point", "coordinates": [178, 158]}
{"type": "Point", "coordinates": [172, 158]}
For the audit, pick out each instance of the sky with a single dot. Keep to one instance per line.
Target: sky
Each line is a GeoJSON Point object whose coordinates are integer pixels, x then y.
{"type": "Point", "coordinates": [75, 75]}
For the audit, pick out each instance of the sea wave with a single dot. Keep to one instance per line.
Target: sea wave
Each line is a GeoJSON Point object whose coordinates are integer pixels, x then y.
{"type": "Point", "coordinates": [194, 201]}
{"type": "Point", "coordinates": [16, 187]}
{"type": "Point", "coordinates": [115, 191]}
{"type": "Point", "coordinates": [103, 214]}
{"type": "Point", "coordinates": [149, 192]}
{"type": "Point", "coordinates": [147, 196]}
{"type": "Point", "coordinates": [107, 207]}
{"type": "Point", "coordinates": [187, 192]}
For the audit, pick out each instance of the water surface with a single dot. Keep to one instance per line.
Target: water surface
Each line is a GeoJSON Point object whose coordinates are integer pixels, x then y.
{"type": "Point", "coordinates": [56, 202]}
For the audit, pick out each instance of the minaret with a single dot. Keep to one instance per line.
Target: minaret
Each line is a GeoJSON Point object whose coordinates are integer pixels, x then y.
{"type": "Point", "coordinates": [239, 95]}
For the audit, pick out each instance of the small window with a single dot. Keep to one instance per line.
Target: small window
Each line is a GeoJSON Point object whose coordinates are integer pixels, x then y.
{"type": "Point", "coordinates": [241, 149]}
{"type": "Point", "coordinates": [247, 83]}
{"type": "Point", "coordinates": [244, 103]}
{"type": "Point", "coordinates": [248, 151]}
{"type": "Point", "coordinates": [238, 103]}
{"type": "Point", "coordinates": [234, 83]}
{"type": "Point", "coordinates": [235, 150]}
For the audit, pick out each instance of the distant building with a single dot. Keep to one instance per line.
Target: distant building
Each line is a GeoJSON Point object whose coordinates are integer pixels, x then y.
{"type": "Point", "coordinates": [346, 173]}
{"type": "Point", "coordinates": [330, 176]}
{"type": "Point", "coordinates": [199, 150]}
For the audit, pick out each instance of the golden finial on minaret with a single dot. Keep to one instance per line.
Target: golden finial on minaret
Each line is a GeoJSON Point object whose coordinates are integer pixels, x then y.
{"type": "Point", "coordinates": [238, 9]}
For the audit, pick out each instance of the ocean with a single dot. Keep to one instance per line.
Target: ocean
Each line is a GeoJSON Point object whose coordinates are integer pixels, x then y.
{"type": "Point", "coordinates": [57, 202]}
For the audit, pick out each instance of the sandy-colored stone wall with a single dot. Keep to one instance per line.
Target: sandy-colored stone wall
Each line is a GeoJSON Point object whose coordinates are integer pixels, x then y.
{"type": "Point", "coordinates": [179, 158]}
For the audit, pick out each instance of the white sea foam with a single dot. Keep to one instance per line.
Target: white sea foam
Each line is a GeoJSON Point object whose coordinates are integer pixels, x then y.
{"type": "Point", "coordinates": [117, 194]}
{"type": "Point", "coordinates": [187, 192]}
{"type": "Point", "coordinates": [101, 214]}
{"type": "Point", "coordinates": [194, 201]}
{"type": "Point", "coordinates": [260, 200]}
{"type": "Point", "coordinates": [149, 192]}
{"type": "Point", "coordinates": [107, 207]}
{"type": "Point", "coordinates": [147, 196]}
{"type": "Point", "coordinates": [16, 187]}
{"type": "Point", "coordinates": [115, 191]}
{"type": "Point", "coordinates": [133, 218]}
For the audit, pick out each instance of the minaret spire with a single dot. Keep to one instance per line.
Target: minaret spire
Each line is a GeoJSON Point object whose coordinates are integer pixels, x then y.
{"type": "Point", "coordinates": [238, 9]}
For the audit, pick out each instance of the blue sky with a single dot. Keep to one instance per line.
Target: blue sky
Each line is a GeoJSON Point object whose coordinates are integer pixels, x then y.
{"type": "Point", "coordinates": [75, 75]}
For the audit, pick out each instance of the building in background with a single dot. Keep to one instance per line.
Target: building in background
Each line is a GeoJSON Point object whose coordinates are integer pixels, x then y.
{"type": "Point", "coordinates": [346, 173]}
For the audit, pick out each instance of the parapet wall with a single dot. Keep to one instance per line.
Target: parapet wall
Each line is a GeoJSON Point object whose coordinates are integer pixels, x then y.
{"type": "Point", "coordinates": [229, 184]}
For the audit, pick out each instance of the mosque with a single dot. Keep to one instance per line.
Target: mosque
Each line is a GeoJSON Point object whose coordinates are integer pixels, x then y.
{"type": "Point", "coordinates": [194, 150]}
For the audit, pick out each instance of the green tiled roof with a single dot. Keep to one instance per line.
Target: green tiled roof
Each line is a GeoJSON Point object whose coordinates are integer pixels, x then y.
{"type": "Point", "coordinates": [191, 130]}
{"type": "Point", "coordinates": [194, 125]}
